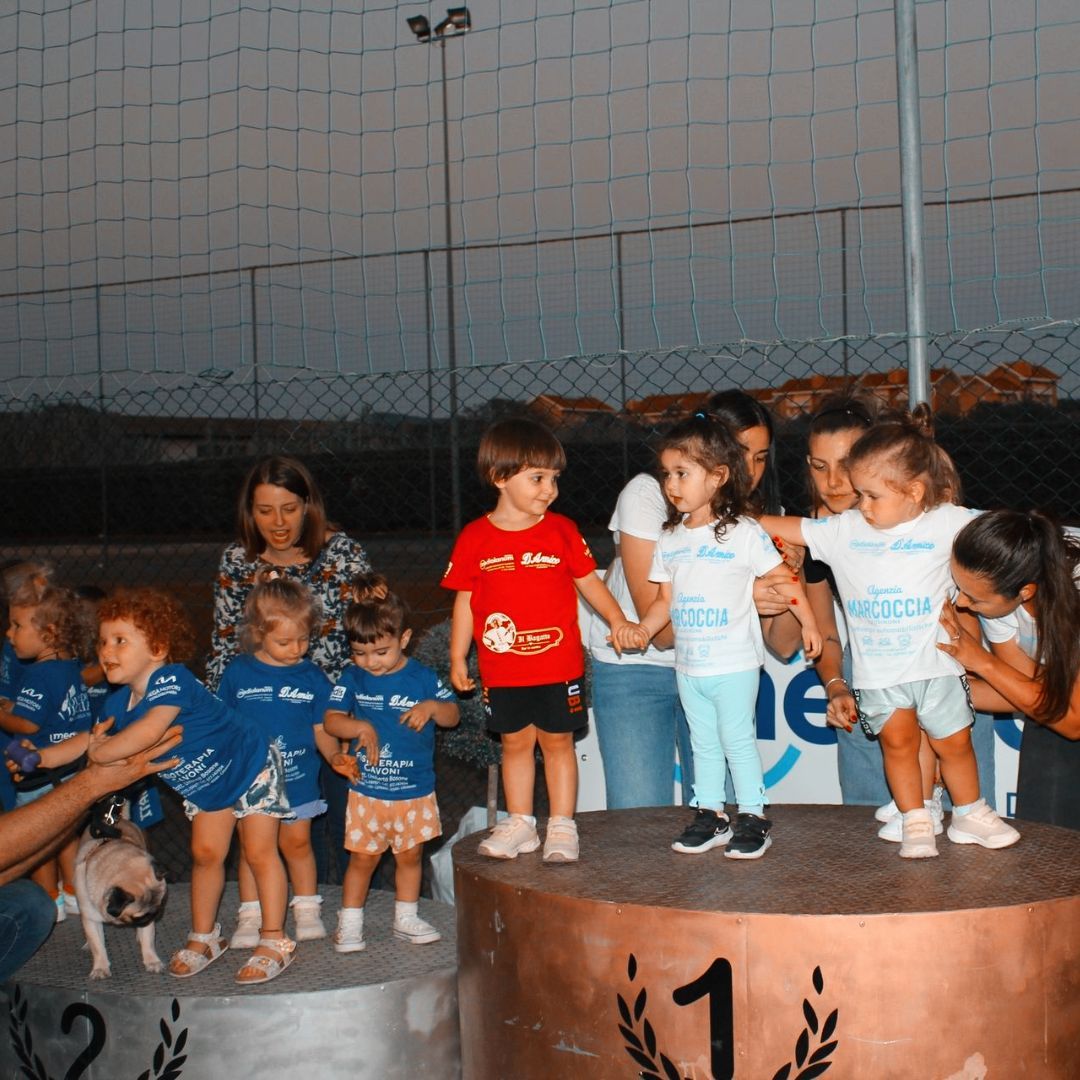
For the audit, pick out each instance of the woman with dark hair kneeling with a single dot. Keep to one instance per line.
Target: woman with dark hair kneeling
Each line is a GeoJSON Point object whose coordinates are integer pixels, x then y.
{"type": "Point", "coordinates": [1017, 572]}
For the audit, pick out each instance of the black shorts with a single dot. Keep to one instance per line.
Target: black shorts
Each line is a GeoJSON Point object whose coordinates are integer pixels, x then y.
{"type": "Point", "coordinates": [553, 707]}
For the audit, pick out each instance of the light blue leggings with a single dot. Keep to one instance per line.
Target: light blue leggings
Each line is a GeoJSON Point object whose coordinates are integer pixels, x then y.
{"type": "Point", "coordinates": [720, 712]}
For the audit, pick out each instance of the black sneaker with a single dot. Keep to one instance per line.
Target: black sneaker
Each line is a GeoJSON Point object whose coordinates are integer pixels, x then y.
{"type": "Point", "coordinates": [708, 830]}
{"type": "Point", "coordinates": [750, 839]}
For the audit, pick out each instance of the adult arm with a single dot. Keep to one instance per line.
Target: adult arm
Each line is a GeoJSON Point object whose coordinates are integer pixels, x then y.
{"type": "Point", "coordinates": [841, 711]}
{"type": "Point", "coordinates": [31, 832]}
{"type": "Point", "coordinates": [1009, 672]}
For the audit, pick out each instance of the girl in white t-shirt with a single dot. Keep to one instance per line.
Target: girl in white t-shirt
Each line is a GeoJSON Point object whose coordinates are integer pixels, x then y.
{"type": "Point", "coordinates": [890, 559]}
{"type": "Point", "coordinates": [706, 562]}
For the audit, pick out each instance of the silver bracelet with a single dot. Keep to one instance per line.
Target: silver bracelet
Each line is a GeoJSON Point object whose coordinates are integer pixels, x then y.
{"type": "Point", "coordinates": [835, 678]}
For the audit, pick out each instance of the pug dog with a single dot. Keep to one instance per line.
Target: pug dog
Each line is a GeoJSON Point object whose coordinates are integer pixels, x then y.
{"type": "Point", "coordinates": [117, 882]}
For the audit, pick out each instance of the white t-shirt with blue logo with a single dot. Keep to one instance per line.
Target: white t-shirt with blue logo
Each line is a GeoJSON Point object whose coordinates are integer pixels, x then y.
{"type": "Point", "coordinates": [717, 630]}
{"type": "Point", "coordinates": [283, 703]}
{"type": "Point", "coordinates": [892, 584]}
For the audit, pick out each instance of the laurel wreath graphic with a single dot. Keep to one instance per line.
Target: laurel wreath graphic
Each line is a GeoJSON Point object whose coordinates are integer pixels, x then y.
{"type": "Point", "coordinates": [642, 1047]}
{"type": "Point", "coordinates": [168, 1060]}
{"type": "Point", "coordinates": [168, 1070]}
{"type": "Point", "coordinates": [640, 1037]}
{"type": "Point", "coordinates": [812, 1064]}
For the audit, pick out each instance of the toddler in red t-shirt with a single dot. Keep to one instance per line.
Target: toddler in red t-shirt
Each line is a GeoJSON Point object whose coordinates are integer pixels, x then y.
{"type": "Point", "coordinates": [517, 572]}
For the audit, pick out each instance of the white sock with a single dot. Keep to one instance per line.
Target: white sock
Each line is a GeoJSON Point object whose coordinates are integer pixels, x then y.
{"type": "Point", "coordinates": [403, 908]}
{"type": "Point", "coordinates": [249, 905]}
{"type": "Point", "coordinates": [314, 899]}
{"type": "Point", "coordinates": [359, 913]}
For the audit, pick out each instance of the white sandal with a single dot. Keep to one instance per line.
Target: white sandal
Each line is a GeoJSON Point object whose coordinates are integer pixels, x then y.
{"type": "Point", "coordinates": [194, 960]}
{"type": "Point", "coordinates": [269, 967]}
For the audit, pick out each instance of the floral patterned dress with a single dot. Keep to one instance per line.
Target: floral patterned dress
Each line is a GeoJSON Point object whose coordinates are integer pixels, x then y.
{"type": "Point", "coordinates": [329, 577]}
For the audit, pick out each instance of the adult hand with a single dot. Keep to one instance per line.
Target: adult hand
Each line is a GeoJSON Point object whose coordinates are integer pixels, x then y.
{"type": "Point", "coordinates": [962, 645]}
{"type": "Point", "coordinates": [793, 554]}
{"type": "Point", "coordinates": [122, 773]}
{"type": "Point", "coordinates": [767, 600]}
{"type": "Point", "coordinates": [842, 711]}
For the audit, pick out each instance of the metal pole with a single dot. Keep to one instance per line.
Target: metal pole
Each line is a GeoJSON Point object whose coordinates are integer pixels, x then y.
{"type": "Point", "coordinates": [451, 320]}
{"type": "Point", "coordinates": [911, 199]}
{"type": "Point", "coordinates": [254, 342]}
{"type": "Point", "coordinates": [104, 470]}
{"type": "Point", "coordinates": [621, 304]}
{"type": "Point", "coordinates": [844, 293]}
{"type": "Point", "coordinates": [429, 322]}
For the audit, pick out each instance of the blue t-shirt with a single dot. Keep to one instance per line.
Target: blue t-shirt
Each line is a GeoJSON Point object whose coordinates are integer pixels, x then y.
{"type": "Point", "coordinates": [52, 695]}
{"type": "Point", "coordinates": [220, 755]}
{"type": "Point", "coordinates": [283, 704]}
{"type": "Point", "coordinates": [406, 768]}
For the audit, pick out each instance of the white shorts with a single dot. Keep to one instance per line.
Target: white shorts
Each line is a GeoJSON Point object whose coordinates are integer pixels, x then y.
{"type": "Point", "coordinates": [942, 705]}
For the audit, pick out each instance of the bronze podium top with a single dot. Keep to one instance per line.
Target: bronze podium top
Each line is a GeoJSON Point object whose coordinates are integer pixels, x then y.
{"type": "Point", "coordinates": [824, 860]}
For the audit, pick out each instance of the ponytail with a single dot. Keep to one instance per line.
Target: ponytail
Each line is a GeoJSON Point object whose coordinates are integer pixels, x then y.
{"type": "Point", "coordinates": [1013, 549]}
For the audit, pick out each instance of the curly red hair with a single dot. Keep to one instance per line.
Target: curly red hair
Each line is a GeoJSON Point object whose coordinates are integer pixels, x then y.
{"type": "Point", "coordinates": [158, 616]}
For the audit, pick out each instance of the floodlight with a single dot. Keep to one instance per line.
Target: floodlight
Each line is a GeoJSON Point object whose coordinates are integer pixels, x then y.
{"type": "Point", "coordinates": [420, 26]}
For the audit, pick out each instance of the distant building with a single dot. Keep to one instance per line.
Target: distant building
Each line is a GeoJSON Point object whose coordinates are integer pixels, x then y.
{"type": "Point", "coordinates": [562, 412]}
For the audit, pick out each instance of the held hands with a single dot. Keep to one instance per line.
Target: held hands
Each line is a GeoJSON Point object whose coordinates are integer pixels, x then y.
{"type": "Point", "coordinates": [459, 676]}
{"type": "Point", "coordinates": [768, 600]}
{"type": "Point", "coordinates": [123, 772]}
{"type": "Point", "coordinates": [794, 555]}
{"type": "Point", "coordinates": [628, 635]}
{"type": "Point", "coordinates": [841, 711]}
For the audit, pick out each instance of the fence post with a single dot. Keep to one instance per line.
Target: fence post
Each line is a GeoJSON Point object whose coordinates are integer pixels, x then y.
{"type": "Point", "coordinates": [103, 412]}
{"type": "Point", "coordinates": [429, 326]}
{"type": "Point", "coordinates": [620, 314]}
{"type": "Point", "coordinates": [254, 344]}
{"type": "Point", "coordinates": [911, 198]}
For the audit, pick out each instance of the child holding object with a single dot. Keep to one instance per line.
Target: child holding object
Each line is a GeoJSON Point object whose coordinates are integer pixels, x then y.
{"type": "Point", "coordinates": [706, 562]}
{"type": "Point", "coordinates": [890, 558]}
{"type": "Point", "coordinates": [392, 704]}
{"type": "Point", "coordinates": [228, 773]}
{"type": "Point", "coordinates": [517, 572]}
{"type": "Point", "coordinates": [283, 695]}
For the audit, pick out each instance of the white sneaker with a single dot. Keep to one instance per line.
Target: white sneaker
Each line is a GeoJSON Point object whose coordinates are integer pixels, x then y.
{"type": "Point", "coordinates": [981, 826]}
{"type": "Point", "coordinates": [248, 924]}
{"type": "Point", "coordinates": [349, 935]}
{"type": "Point", "coordinates": [887, 812]}
{"type": "Point", "coordinates": [513, 836]}
{"type": "Point", "coordinates": [307, 918]}
{"type": "Point", "coordinates": [893, 829]}
{"type": "Point", "coordinates": [561, 841]}
{"type": "Point", "coordinates": [918, 840]}
{"type": "Point", "coordinates": [414, 930]}
{"type": "Point", "coordinates": [71, 903]}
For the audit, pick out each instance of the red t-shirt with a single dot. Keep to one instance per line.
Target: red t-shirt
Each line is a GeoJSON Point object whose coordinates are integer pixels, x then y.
{"type": "Point", "coordinates": [524, 603]}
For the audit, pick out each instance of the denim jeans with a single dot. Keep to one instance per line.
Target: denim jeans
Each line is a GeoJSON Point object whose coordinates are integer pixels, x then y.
{"type": "Point", "coordinates": [27, 914]}
{"type": "Point", "coordinates": [639, 723]}
{"type": "Point", "coordinates": [720, 712]}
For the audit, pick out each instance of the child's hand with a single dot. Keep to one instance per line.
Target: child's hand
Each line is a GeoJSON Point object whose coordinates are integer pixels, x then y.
{"type": "Point", "coordinates": [459, 677]}
{"type": "Point", "coordinates": [961, 646]}
{"type": "Point", "coordinates": [842, 711]}
{"type": "Point", "coordinates": [346, 765]}
{"type": "Point", "coordinates": [628, 635]}
{"type": "Point", "coordinates": [418, 715]}
{"type": "Point", "coordinates": [366, 739]}
{"type": "Point", "coordinates": [811, 640]}
{"type": "Point", "coordinates": [768, 600]}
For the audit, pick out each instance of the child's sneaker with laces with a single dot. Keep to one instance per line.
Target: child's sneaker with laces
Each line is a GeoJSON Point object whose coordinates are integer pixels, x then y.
{"type": "Point", "coordinates": [349, 935]}
{"type": "Point", "coordinates": [750, 837]}
{"type": "Point", "coordinates": [513, 836]}
{"type": "Point", "coordinates": [561, 840]}
{"type": "Point", "coordinates": [414, 930]}
{"type": "Point", "coordinates": [708, 830]}
{"type": "Point", "coordinates": [307, 917]}
{"type": "Point", "coordinates": [918, 839]}
{"type": "Point", "coordinates": [893, 829]}
{"type": "Point", "coordinates": [248, 923]}
{"type": "Point", "coordinates": [981, 825]}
